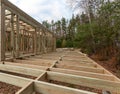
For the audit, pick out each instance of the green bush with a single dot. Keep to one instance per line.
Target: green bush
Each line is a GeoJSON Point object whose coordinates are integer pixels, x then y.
{"type": "Point", "coordinates": [59, 43]}
{"type": "Point", "coordinates": [63, 43]}
{"type": "Point", "coordinates": [69, 43]}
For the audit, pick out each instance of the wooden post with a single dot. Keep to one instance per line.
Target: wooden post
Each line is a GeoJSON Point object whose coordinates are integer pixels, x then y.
{"type": "Point", "coordinates": [35, 41]}
{"type": "Point", "coordinates": [12, 36]}
{"type": "Point", "coordinates": [39, 41]}
{"type": "Point", "coordinates": [2, 32]}
{"type": "Point", "coordinates": [17, 38]}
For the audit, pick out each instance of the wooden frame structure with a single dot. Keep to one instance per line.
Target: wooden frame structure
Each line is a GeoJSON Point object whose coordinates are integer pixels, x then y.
{"type": "Point", "coordinates": [21, 35]}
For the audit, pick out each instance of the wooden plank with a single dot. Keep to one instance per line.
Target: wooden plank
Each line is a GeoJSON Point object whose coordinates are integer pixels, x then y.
{"type": "Point", "coordinates": [35, 41]}
{"type": "Point", "coordinates": [53, 65]}
{"type": "Point", "coordinates": [81, 73]}
{"type": "Point", "coordinates": [2, 32]}
{"type": "Point", "coordinates": [17, 37]}
{"type": "Point", "coordinates": [40, 60]}
{"type": "Point", "coordinates": [46, 88]}
{"type": "Point", "coordinates": [78, 61]}
{"type": "Point", "coordinates": [40, 63]}
{"type": "Point", "coordinates": [42, 77]}
{"type": "Point", "coordinates": [12, 36]}
{"type": "Point", "coordinates": [78, 64]}
{"type": "Point", "coordinates": [21, 70]}
{"type": "Point", "coordinates": [14, 80]}
{"type": "Point", "coordinates": [27, 65]}
{"type": "Point", "coordinates": [28, 89]}
{"type": "Point", "coordinates": [85, 81]}
{"type": "Point", "coordinates": [87, 69]}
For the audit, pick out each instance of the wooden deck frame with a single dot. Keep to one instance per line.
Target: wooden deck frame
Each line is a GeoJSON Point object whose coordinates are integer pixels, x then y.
{"type": "Point", "coordinates": [24, 29]}
{"type": "Point", "coordinates": [104, 81]}
{"type": "Point", "coordinates": [29, 85]}
{"type": "Point", "coordinates": [74, 79]}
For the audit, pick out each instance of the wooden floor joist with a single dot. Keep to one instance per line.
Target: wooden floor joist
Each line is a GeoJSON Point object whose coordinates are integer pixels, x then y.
{"type": "Point", "coordinates": [80, 68]}
{"type": "Point", "coordinates": [21, 70]}
{"type": "Point", "coordinates": [46, 88]}
{"type": "Point", "coordinates": [79, 64]}
{"type": "Point", "coordinates": [82, 73]}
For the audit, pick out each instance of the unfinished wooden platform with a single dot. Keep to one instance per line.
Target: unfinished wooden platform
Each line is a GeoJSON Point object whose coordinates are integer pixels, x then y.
{"type": "Point", "coordinates": [72, 67]}
{"type": "Point", "coordinates": [25, 41]}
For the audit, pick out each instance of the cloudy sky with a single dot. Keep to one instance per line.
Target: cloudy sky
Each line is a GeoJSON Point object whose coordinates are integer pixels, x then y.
{"type": "Point", "coordinates": [44, 9]}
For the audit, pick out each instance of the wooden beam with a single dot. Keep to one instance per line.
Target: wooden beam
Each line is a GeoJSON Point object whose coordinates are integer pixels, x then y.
{"type": "Point", "coordinates": [14, 80]}
{"type": "Point", "coordinates": [78, 61]}
{"type": "Point", "coordinates": [85, 81]}
{"type": "Point", "coordinates": [42, 77]}
{"type": "Point", "coordinates": [40, 62]}
{"type": "Point", "coordinates": [12, 36]}
{"type": "Point", "coordinates": [28, 89]}
{"type": "Point", "coordinates": [27, 65]}
{"type": "Point", "coordinates": [46, 88]}
{"type": "Point", "coordinates": [86, 74]}
{"type": "Point", "coordinates": [17, 37]}
{"type": "Point", "coordinates": [78, 64]}
{"type": "Point", "coordinates": [35, 41]}
{"type": "Point", "coordinates": [87, 69]}
{"type": "Point", "coordinates": [21, 70]}
{"type": "Point", "coordinates": [2, 32]}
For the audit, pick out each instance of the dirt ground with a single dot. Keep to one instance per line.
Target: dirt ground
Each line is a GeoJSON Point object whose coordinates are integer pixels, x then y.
{"type": "Point", "coordinates": [8, 89]}
{"type": "Point", "coordinates": [98, 91]}
{"type": "Point", "coordinates": [110, 65]}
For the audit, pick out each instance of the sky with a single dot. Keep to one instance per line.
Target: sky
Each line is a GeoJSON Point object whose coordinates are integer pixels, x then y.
{"type": "Point", "coordinates": [45, 9]}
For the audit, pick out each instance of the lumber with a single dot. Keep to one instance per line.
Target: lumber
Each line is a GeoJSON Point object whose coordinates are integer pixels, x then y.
{"type": "Point", "coordinates": [26, 65]}
{"type": "Point", "coordinates": [46, 88]}
{"type": "Point", "coordinates": [2, 32]}
{"type": "Point", "coordinates": [14, 80]}
{"type": "Point", "coordinates": [40, 62]}
{"type": "Point", "coordinates": [81, 73]}
{"type": "Point", "coordinates": [21, 70]}
{"type": "Point", "coordinates": [78, 64]}
{"type": "Point", "coordinates": [28, 89]}
{"type": "Point", "coordinates": [79, 68]}
{"type": "Point", "coordinates": [85, 81]}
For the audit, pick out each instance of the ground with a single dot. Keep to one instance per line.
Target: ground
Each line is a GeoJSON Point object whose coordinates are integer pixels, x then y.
{"type": "Point", "coordinates": [110, 64]}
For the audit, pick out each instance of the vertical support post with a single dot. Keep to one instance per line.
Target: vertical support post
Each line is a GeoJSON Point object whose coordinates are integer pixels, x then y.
{"type": "Point", "coordinates": [35, 41]}
{"type": "Point", "coordinates": [2, 31]}
{"type": "Point", "coordinates": [42, 47]}
{"type": "Point", "coordinates": [17, 37]}
{"type": "Point", "coordinates": [39, 41]}
{"type": "Point", "coordinates": [23, 41]}
{"type": "Point", "coordinates": [12, 36]}
{"type": "Point", "coordinates": [44, 42]}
